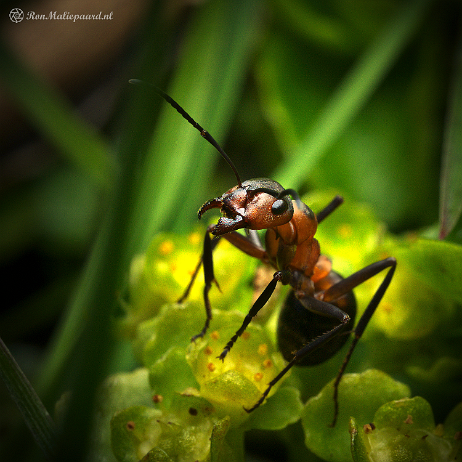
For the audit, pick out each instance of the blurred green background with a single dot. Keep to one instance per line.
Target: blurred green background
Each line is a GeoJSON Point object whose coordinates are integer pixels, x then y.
{"type": "Point", "coordinates": [362, 97]}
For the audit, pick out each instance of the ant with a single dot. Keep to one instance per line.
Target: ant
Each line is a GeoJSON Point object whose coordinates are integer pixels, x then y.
{"type": "Point", "coordinates": [320, 309]}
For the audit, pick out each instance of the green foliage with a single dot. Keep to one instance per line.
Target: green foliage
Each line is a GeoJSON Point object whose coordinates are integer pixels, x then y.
{"type": "Point", "coordinates": [359, 395]}
{"type": "Point", "coordinates": [404, 430]}
{"type": "Point", "coordinates": [178, 368]}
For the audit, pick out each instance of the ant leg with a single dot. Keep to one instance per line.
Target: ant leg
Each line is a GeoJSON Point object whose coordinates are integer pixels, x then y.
{"type": "Point", "coordinates": [196, 272]}
{"type": "Point", "coordinates": [324, 307]}
{"type": "Point", "coordinates": [257, 306]}
{"type": "Point", "coordinates": [321, 307]}
{"type": "Point", "coordinates": [250, 246]}
{"type": "Point", "coordinates": [209, 278]}
{"type": "Point", "coordinates": [326, 211]}
{"type": "Point", "coordinates": [238, 240]}
{"type": "Point", "coordinates": [348, 284]}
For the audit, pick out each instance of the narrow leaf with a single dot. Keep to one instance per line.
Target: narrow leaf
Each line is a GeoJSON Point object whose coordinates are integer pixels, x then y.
{"type": "Point", "coordinates": [353, 93]}
{"type": "Point", "coordinates": [451, 171]}
{"type": "Point", "coordinates": [31, 407]}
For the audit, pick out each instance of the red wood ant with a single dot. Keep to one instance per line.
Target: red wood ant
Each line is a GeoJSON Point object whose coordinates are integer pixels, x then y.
{"type": "Point", "coordinates": [320, 309]}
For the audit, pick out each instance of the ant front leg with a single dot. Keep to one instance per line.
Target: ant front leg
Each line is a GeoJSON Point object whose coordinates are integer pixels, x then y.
{"type": "Point", "coordinates": [196, 270]}
{"type": "Point", "coordinates": [209, 278]}
{"type": "Point", "coordinates": [249, 245]}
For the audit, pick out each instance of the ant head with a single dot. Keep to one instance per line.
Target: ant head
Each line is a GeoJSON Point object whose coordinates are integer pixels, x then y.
{"type": "Point", "coordinates": [255, 204]}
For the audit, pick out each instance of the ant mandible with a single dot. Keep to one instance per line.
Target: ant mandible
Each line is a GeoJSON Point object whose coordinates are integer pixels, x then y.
{"type": "Point", "coordinates": [321, 305]}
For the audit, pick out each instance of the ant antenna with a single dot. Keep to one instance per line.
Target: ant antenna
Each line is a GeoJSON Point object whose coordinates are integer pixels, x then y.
{"type": "Point", "coordinates": [285, 192]}
{"type": "Point", "coordinates": [204, 133]}
{"type": "Point", "coordinates": [294, 194]}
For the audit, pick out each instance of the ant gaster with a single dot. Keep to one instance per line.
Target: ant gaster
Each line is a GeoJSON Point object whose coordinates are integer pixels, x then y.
{"type": "Point", "coordinates": [321, 306]}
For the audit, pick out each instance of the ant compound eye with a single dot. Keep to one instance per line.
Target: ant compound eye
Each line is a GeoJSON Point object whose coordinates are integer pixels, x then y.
{"type": "Point", "coordinates": [279, 207]}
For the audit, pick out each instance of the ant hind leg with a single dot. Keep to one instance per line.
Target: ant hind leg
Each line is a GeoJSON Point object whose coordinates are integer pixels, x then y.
{"type": "Point", "coordinates": [348, 284]}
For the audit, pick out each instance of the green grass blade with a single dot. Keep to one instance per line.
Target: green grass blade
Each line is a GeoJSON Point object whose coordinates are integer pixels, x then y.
{"type": "Point", "coordinates": [451, 171]}
{"type": "Point", "coordinates": [31, 407]}
{"type": "Point", "coordinates": [131, 133]}
{"type": "Point", "coordinates": [353, 93]}
{"type": "Point", "coordinates": [145, 193]}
